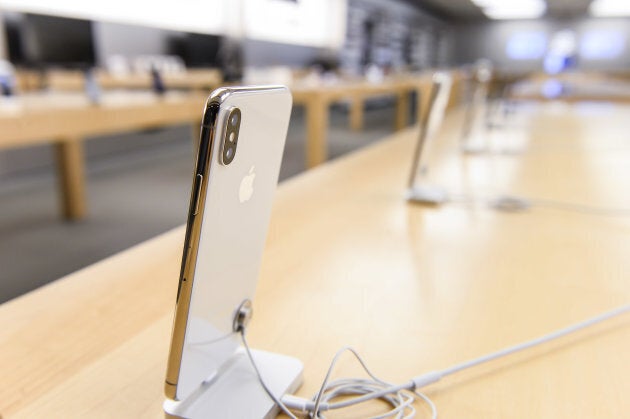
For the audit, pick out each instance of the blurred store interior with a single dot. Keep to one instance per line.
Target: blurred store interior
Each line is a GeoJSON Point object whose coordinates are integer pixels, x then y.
{"type": "Point", "coordinates": [454, 188]}
{"type": "Point", "coordinates": [137, 178]}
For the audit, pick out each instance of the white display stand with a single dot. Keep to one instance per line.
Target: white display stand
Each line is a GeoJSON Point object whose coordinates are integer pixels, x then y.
{"type": "Point", "coordinates": [430, 195]}
{"type": "Point", "coordinates": [236, 391]}
{"type": "Point", "coordinates": [474, 149]}
{"type": "Point", "coordinates": [432, 119]}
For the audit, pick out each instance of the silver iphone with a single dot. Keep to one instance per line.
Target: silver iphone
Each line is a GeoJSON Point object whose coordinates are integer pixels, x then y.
{"type": "Point", "coordinates": [242, 140]}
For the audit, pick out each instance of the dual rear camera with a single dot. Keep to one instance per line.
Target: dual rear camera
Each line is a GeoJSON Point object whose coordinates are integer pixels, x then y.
{"type": "Point", "coordinates": [230, 139]}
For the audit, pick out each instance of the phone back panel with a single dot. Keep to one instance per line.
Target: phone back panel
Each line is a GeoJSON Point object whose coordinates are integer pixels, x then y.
{"type": "Point", "coordinates": [235, 218]}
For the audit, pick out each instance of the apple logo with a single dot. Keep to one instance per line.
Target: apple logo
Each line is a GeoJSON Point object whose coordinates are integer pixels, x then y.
{"type": "Point", "coordinates": [246, 190]}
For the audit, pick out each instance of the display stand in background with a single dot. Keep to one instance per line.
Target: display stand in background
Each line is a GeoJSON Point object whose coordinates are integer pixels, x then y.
{"type": "Point", "coordinates": [476, 116]}
{"type": "Point", "coordinates": [418, 191]}
{"type": "Point", "coordinates": [7, 79]}
{"type": "Point", "coordinates": [92, 87]}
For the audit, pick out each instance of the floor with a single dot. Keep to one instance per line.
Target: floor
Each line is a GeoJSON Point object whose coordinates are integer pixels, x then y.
{"type": "Point", "coordinates": [133, 195]}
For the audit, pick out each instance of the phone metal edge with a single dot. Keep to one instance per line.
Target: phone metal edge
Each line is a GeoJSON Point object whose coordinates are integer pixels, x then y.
{"type": "Point", "coordinates": [191, 242]}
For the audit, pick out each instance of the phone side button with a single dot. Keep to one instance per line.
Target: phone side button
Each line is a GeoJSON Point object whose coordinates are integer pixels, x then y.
{"type": "Point", "coordinates": [197, 193]}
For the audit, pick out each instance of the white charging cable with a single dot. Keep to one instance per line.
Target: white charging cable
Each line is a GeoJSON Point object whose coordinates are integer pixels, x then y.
{"type": "Point", "coordinates": [400, 396]}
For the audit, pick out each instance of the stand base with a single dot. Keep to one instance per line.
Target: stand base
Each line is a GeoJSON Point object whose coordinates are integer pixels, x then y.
{"type": "Point", "coordinates": [237, 393]}
{"type": "Point", "coordinates": [472, 149]}
{"type": "Point", "coordinates": [510, 203]}
{"type": "Point", "coordinates": [427, 195]}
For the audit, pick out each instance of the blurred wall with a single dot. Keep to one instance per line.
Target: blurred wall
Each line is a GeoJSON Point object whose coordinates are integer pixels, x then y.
{"type": "Point", "coordinates": [402, 36]}
{"type": "Point", "coordinates": [128, 40]}
{"type": "Point", "coordinates": [263, 53]}
{"type": "Point", "coordinates": [132, 40]}
{"type": "Point", "coordinates": [395, 22]}
{"type": "Point", "coordinates": [490, 40]}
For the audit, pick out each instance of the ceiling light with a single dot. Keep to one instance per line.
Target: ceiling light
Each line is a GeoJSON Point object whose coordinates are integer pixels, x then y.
{"type": "Point", "coordinates": [485, 3]}
{"type": "Point", "coordinates": [514, 13]}
{"type": "Point", "coordinates": [515, 9]}
{"type": "Point", "coordinates": [610, 8]}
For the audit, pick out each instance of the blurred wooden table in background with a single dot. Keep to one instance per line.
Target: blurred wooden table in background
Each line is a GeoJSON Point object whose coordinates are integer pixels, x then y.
{"type": "Point", "coordinates": [191, 79]}
{"type": "Point", "coordinates": [67, 119]}
{"type": "Point", "coordinates": [573, 88]}
{"type": "Point", "coordinates": [317, 99]}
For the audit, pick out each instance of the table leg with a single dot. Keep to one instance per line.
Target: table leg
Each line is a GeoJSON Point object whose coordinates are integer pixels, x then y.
{"type": "Point", "coordinates": [402, 110]}
{"type": "Point", "coordinates": [71, 172]}
{"type": "Point", "coordinates": [316, 130]}
{"type": "Point", "coordinates": [356, 113]}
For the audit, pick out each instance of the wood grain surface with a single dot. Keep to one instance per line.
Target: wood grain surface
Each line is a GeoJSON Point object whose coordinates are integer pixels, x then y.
{"type": "Point", "coordinates": [413, 289]}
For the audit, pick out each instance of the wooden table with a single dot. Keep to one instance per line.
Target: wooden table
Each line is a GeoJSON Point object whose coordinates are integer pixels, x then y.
{"type": "Point", "coordinates": [317, 98]}
{"type": "Point", "coordinates": [191, 79]}
{"type": "Point", "coordinates": [66, 119]}
{"type": "Point", "coordinates": [575, 87]}
{"type": "Point", "coordinates": [413, 289]}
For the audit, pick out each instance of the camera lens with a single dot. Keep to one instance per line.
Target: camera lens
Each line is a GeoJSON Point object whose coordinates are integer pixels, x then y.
{"type": "Point", "coordinates": [230, 136]}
